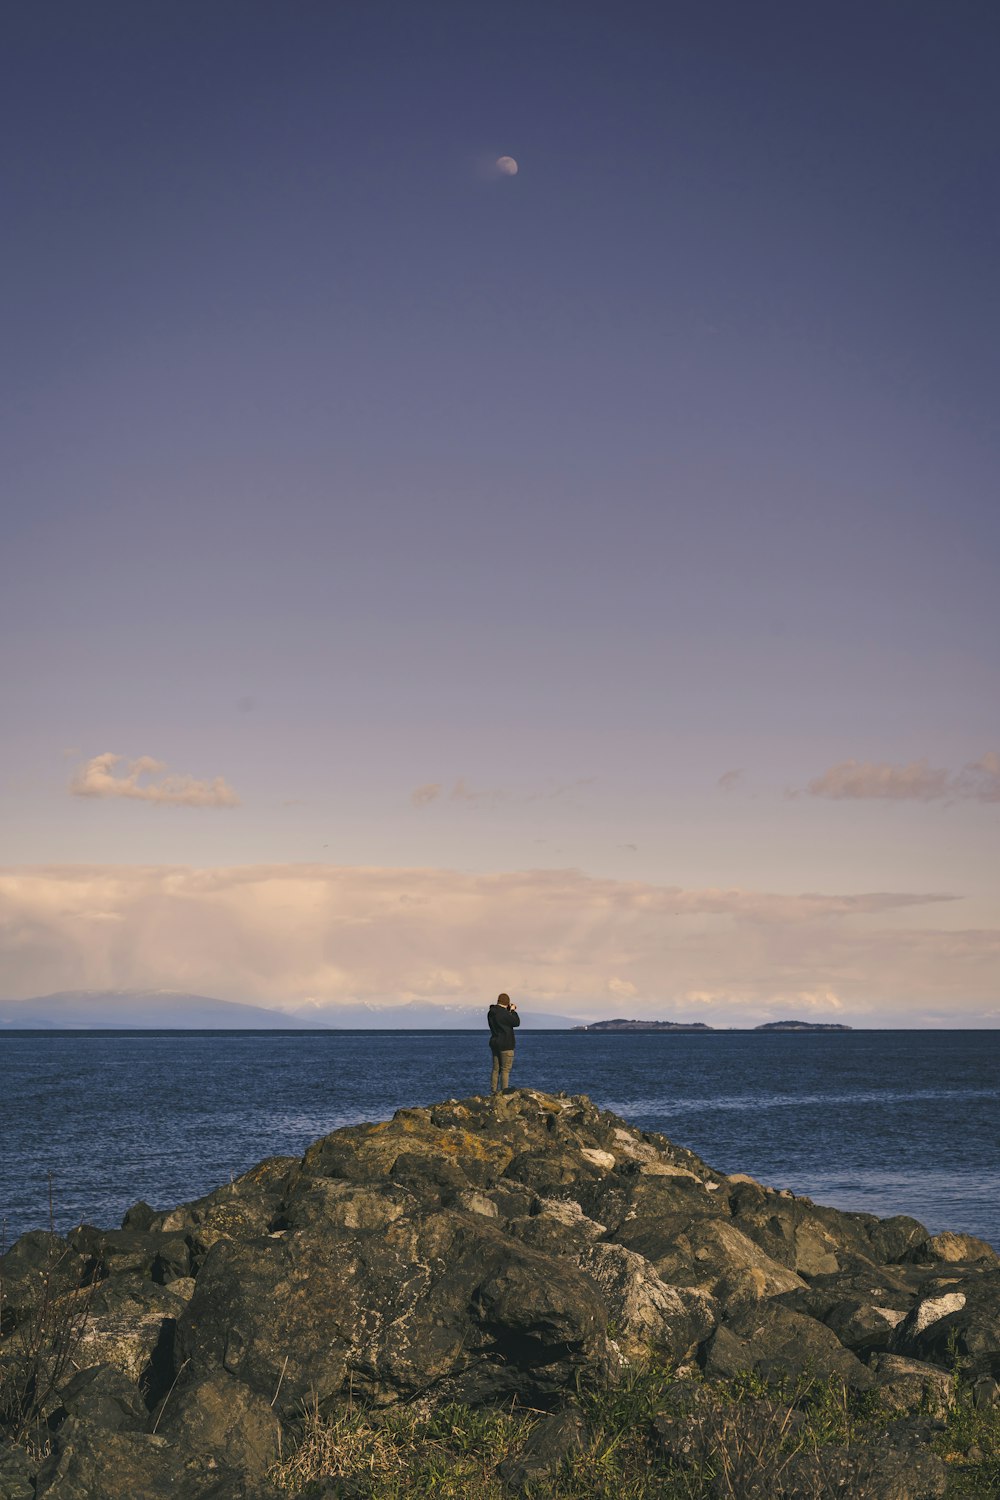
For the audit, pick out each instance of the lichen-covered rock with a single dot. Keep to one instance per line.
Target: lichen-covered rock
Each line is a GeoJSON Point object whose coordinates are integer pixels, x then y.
{"type": "Point", "coordinates": [711, 1253]}
{"type": "Point", "coordinates": [221, 1418]}
{"type": "Point", "coordinates": [961, 1319]}
{"type": "Point", "coordinates": [243, 1208]}
{"type": "Point", "coordinates": [93, 1463]}
{"type": "Point", "coordinates": [778, 1344]}
{"type": "Point", "coordinates": [645, 1312]}
{"type": "Point", "coordinates": [872, 1474]}
{"type": "Point", "coordinates": [441, 1300]}
{"type": "Point", "coordinates": [798, 1234]}
{"type": "Point", "coordinates": [131, 1325]}
{"type": "Point", "coordinates": [893, 1240]}
{"type": "Point", "coordinates": [156, 1255]}
{"type": "Point", "coordinates": [548, 1445]}
{"type": "Point", "coordinates": [951, 1249]}
{"type": "Point", "coordinates": [104, 1396]}
{"type": "Point", "coordinates": [911, 1385]}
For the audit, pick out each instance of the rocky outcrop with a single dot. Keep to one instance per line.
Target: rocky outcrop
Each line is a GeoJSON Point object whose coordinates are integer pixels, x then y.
{"type": "Point", "coordinates": [483, 1250]}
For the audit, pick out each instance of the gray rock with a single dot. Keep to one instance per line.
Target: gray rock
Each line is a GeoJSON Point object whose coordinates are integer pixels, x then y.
{"type": "Point", "coordinates": [221, 1418]}
{"type": "Point", "coordinates": [445, 1300]}
{"type": "Point", "coordinates": [554, 1440]}
{"type": "Point", "coordinates": [105, 1397]}
{"type": "Point", "coordinates": [961, 1317]}
{"type": "Point", "coordinates": [778, 1344]}
{"type": "Point", "coordinates": [92, 1463]}
{"type": "Point", "coordinates": [951, 1249]}
{"type": "Point", "coordinates": [871, 1474]}
{"type": "Point", "coordinates": [131, 1326]}
{"type": "Point", "coordinates": [894, 1240]}
{"type": "Point", "coordinates": [17, 1475]}
{"type": "Point", "coordinates": [156, 1256]}
{"type": "Point", "coordinates": [911, 1385]}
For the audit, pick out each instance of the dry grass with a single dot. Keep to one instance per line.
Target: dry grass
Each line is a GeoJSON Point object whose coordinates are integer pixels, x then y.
{"type": "Point", "coordinates": [653, 1437]}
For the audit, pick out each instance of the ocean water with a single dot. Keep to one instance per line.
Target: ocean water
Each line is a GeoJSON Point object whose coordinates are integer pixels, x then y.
{"type": "Point", "coordinates": [888, 1122]}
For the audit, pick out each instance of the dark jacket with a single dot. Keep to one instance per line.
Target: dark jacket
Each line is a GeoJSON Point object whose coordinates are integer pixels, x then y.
{"type": "Point", "coordinates": [502, 1022]}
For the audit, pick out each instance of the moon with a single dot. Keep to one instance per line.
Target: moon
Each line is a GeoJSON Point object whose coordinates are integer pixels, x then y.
{"type": "Point", "coordinates": [507, 166]}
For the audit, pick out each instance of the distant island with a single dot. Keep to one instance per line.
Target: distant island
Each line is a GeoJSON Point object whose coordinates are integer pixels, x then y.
{"type": "Point", "coordinates": [700, 1026]}
{"type": "Point", "coordinates": [621, 1025]}
{"type": "Point", "coordinates": [803, 1026]}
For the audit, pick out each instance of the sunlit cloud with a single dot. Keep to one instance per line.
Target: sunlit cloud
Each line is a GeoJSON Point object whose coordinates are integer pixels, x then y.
{"type": "Point", "coordinates": [422, 796]}
{"type": "Point", "coordinates": [283, 935]}
{"type": "Point", "coordinates": [919, 781]}
{"type": "Point", "coordinates": [147, 780]}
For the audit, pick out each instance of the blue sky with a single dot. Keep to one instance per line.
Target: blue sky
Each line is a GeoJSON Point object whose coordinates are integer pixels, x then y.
{"type": "Point", "coordinates": [342, 467]}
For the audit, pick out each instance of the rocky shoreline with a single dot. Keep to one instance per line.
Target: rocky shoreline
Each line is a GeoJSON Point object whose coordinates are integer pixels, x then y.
{"type": "Point", "coordinates": [510, 1251]}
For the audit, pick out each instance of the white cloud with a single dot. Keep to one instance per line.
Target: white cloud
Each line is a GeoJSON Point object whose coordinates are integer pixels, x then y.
{"type": "Point", "coordinates": [282, 934]}
{"type": "Point", "coordinates": [979, 781]}
{"type": "Point", "coordinates": [852, 778]}
{"type": "Point", "coordinates": [623, 989]}
{"type": "Point", "coordinates": [147, 780]}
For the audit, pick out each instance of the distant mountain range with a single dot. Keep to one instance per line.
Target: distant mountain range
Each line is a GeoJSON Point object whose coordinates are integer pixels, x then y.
{"type": "Point", "coordinates": [151, 1010]}
{"type": "Point", "coordinates": [172, 1010]}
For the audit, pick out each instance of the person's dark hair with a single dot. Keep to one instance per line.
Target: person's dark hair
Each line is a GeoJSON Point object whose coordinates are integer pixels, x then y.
{"type": "Point", "coordinates": [503, 1000]}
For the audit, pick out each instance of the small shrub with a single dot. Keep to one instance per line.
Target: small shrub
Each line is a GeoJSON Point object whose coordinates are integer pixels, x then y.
{"type": "Point", "coordinates": [37, 1348]}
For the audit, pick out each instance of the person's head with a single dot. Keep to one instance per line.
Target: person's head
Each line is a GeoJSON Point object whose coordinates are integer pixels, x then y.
{"type": "Point", "coordinates": [504, 1000]}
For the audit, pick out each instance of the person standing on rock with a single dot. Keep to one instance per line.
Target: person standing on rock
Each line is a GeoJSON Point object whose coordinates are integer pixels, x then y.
{"type": "Point", "coordinates": [503, 1018]}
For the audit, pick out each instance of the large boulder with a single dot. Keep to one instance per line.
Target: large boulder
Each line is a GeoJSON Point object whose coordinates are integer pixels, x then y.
{"type": "Point", "coordinates": [38, 1269]}
{"type": "Point", "coordinates": [780, 1345]}
{"type": "Point", "coordinates": [244, 1208]}
{"type": "Point", "coordinates": [911, 1385]}
{"type": "Point", "coordinates": [221, 1418]}
{"type": "Point", "coordinates": [103, 1396]}
{"type": "Point", "coordinates": [958, 1320]}
{"type": "Point", "coordinates": [157, 1255]}
{"type": "Point", "coordinates": [710, 1253]}
{"type": "Point", "coordinates": [131, 1326]}
{"type": "Point", "coordinates": [94, 1463]}
{"type": "Point", "coordinates": [648, 1316]}
{"type": "Point", "coordinates": [444, 1301]}
{"type": "Point", "coordinates": [797, 1233]}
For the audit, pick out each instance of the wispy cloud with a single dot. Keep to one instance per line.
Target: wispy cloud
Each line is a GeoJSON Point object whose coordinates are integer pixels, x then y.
{"type": "Point", "coordinates": [729, 779]}
{"type": "Point", "coordinates": [980, 779]}
{"type": "Point", "coordinates": [919, 781]}
{"type": "Point", "coordinates": [462, 792]}
{"type": "Point", "coordinates": [148, 780]}
{"type": "Point", "coordinates": [278, 934]}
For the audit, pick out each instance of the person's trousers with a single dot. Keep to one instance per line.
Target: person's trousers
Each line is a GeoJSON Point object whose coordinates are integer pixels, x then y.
{"type": "Point", "coordinates": [502, 1064]}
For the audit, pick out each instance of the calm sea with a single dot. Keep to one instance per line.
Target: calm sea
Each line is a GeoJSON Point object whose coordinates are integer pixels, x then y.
{"type": "Point", "coordinates": [889, 1122]}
